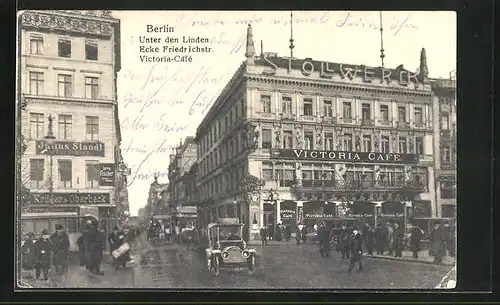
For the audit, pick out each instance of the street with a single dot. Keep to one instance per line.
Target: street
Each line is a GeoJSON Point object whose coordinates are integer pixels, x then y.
{"type": "Point", "coordinates": [278, 266]}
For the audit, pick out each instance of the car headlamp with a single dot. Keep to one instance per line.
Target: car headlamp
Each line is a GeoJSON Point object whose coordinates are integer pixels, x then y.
{"type": "Point", "coordinates": [245, 254]}
{"type": "Point", "coordinates": [225, 255]}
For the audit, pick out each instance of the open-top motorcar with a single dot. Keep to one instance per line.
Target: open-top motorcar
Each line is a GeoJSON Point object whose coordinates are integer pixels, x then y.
{"type": "Point", "coordinates": [226, 248]}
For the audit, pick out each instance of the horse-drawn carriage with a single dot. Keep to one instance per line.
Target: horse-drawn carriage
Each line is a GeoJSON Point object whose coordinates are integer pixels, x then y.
{"type": "Point", "coordinates": [226, 248]}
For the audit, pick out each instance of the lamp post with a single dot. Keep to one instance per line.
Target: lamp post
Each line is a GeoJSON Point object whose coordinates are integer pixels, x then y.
{"type": "Point", "coordinates": [49, 140]}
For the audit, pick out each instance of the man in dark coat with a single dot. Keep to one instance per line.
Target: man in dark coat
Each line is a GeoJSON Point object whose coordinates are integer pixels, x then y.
{"type": "Point", "coordinates": [344, 242]}
{"type": "Point", "coordinates": [324, 240]}
{"type": "Point", "coordinates": [416, 236]}
{"type": "Point", "coordinates": [369, 239]}
{"type": "Point", "coordinates": [94, 246]}
{"type": "Point", "coordinates": [379, 239]}
{"type": "Point", "coordinates": [113, 240]}
{"type": "Point", "coordinates": [356, 249]}
{"type": "Point", "coordinates": [438, 244]}
{"type": "Point", "coordinates": [263, 235]}
{"type": "Point", "coordinates": [43, 249]}
{"type": "Point", "coordinates": [81, 250]}
{"type": "Point", "coordinates": [28, 252]}
{"type": "Point", "coordinates": [388, 237]}
{"type": "Point", "coordinates": [60, 247]}
{"type": "Point", "coordinates": [398, 237]}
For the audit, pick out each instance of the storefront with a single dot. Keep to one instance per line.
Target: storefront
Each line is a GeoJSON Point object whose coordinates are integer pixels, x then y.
{"type": "Point", "coordinates": [315, 212]}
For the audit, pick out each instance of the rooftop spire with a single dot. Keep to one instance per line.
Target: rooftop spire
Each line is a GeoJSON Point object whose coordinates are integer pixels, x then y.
{"type": "Point", "coordinates": [382, 55]}
{"type": "Point", "coordinates": [291, 35]}
{"type": "Point", "coordinates": [424, 71]}
{"type": "Point", "coordinates": [250, 49]}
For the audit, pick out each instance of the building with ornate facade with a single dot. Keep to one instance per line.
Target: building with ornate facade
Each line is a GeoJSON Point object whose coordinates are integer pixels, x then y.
{"type": "Point", "coordinates": [72, 165]}
{"type": "Point", "coordinates": [300, 141]}
{"type": "Point", "coordinates": [445, 137]}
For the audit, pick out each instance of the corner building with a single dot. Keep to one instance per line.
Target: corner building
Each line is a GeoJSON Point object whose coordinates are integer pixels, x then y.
{"type": "Point", "coordinates": [68, 66]}
{"type": "Point", "coordinates": [317, 137]}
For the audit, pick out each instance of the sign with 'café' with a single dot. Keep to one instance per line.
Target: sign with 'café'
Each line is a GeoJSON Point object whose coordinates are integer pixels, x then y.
{"type": "Point", "coordinates": [347, 156]}
{"type": "Point", "coordinates": [69, 148]}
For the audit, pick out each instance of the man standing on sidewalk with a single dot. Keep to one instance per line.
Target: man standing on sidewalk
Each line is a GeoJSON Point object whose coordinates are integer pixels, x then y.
{"type": "Point", "coordinates": [60, 243]}
{"type": "Point", "coordinates": [356, 248]}
{"type": "Point", "coordinates": [94, 245]}
{"type": "Point", "coordinates": [398, 240]}
{"type": "Point", "coordinates": [43, 249]}
{"type": "Point", "coordinates": [415, 240]}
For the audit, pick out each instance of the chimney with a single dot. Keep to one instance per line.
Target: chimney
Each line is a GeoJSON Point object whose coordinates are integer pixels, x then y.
{"type": "Point", "coordinates": [424, 71]}
{"type": "Point", "coordinates": [250, 48]}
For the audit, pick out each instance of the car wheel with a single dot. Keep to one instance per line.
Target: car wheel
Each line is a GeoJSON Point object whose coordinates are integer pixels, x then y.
{"type": "Point", "coordinates": [216, 265]}
{"type": "Point", "coordinates": [251, 264]}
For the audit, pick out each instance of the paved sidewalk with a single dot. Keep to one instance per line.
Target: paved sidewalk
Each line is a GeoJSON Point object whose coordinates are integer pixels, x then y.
{"type": "Point", "coordinates": [423, 257]}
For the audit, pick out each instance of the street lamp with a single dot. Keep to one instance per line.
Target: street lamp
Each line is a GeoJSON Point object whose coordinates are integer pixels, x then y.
{"type": "Point", "coordinates": [49, 140]}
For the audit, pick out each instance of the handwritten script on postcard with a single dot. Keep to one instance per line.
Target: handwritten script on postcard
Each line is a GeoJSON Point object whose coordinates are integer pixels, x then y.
{"type": "Point", "coordinates": [175, 64]}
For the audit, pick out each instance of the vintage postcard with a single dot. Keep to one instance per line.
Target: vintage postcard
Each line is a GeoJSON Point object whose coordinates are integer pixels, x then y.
{"type": "Point", "coordinates": [236, 149]}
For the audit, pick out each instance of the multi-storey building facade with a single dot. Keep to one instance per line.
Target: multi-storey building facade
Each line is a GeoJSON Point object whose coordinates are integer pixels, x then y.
{"type": "Point", "coordinates": [315, 133]}
{"type": "Point", "coordinates": [158, 198]}
{"type": "Point", "coordinates": [445, 133]}
{"type": "Point", "coordinates": [68, 65]}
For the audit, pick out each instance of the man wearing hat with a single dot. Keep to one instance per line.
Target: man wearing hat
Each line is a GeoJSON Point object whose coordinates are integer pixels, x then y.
{"type": "Point", "coordinates": [356, 249]}
{"type": "Point", "coordinates": [43, 249]}
{"type": "Point", "coordinates": [60, 246]}
{"type": "Point", "coordinates": [94, 245]}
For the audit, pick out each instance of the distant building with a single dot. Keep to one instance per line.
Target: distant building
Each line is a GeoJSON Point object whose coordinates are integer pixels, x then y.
{"type": "Point", "coordinates": [297, 140]}
{"type": "Point", "coordinates": [445, 137]}
{"type": "Point", "coordinates": [156, 198]}
{"type": "Point", "coordinates": [68, 64]}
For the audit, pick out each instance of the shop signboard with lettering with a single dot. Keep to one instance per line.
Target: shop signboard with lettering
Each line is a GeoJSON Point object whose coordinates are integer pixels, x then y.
{"type": "Point", "coordinates": [70, 198]}
{"type": "Point", "coordinates": [106, 174]}
{"type": "Point", "coordinates": [45, 209]}
{"type": "Point", "coordinates": [392, 209]}
{"type": "Point", "coordinates": [346, 156]}
{"type": "Point", "coordinates": [70, 148]}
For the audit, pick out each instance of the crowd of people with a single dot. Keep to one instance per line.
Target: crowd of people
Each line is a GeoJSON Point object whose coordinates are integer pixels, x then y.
{"type": "Point", "coordinates": [383, 239]}
{"type": "Point", "coordinates": [52, 251]}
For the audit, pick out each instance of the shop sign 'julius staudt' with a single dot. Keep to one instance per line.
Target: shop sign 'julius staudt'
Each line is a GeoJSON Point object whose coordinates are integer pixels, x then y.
{"type": "Point", "coordinates": [69, 148]}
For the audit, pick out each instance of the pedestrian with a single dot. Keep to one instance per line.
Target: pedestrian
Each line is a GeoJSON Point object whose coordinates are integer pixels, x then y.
{"type": "Point", "coordinates": [43, 249]}
{"type": "Point", "coordinates": [28, 253]}
{"type": "Point", "coordinates": [416, 236]}
{"type": "Point", "coordinates": [81, 250]}
{"type": "Point", "coordinates": [288, 233]}
{"type": "Point", "coordinates": [398, 237]}
{"type": "Point", "coordinates": [369, 239]}
{"type": "Point", "coordinates": [324, 240]}
{"type": "Point", "coordinates": [356, 249]}
{"type": "Point", "coordinates": [279, 234]}
{"type": "Point", "coordinates": [298, 232]}
{"type": "Point", "coordinates": [113, 240]}
{"type": "Point", "coordinates": [303, 233]}
{"type": "Point", "coordinates": [379, 239]}
{"type": "Point", "coordinates": [60, 247]}
{"type": "Point", "coordinates": [263, 235]}
{"type": "Point", "coordinates": [437, 241]}
{"type": "Point", "coordinates": [388, 238]}
{"type": "Point", "coordinates": [94, 246]}
{"type": "Point", "coordinates": [344, 243]}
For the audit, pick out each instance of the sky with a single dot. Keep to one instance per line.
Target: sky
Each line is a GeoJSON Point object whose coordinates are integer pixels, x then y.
{"type": "Point", "coordinates": [162, 103]}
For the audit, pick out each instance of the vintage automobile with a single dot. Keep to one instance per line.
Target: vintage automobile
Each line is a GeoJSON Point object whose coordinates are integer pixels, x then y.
{"type": "Point", "coordinates": [226, 248]}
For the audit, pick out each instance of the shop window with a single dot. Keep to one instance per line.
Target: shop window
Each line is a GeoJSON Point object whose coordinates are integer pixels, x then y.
{"type": "Point", "coordinates": [28, 226]}
{"type": "Point", "coordinates": [40, 225]}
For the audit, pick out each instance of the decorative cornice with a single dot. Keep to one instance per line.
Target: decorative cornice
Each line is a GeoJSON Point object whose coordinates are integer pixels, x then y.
{"type": "Point", "coordinates": [64, 69]}
{"type": "Point", "coordinates": [36, 66]}
{"type": "Point", "coordinates": [365, 90]}
{"type": "Point", "coordinates": [67, 23]}
{"type": "Point", "coordinates": [68, 101]}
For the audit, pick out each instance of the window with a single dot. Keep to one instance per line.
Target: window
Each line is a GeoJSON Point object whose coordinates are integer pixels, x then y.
{"type": "Point", "coordinates": [92, 128]}
{"type": "Point", "coordinates": [347, 110]}
{"type": "Point", "coordinates": [308, 140]}
{"type": "Point", "coordinates": [367, 143]}
{"type": "Point", "coordinates": [446, 154]}
{"type": "Point", "coordinates": [327, 109]}
{"type": "Point", "coordinates": [267, 171]}
{"type": "Point", "coordinates": [348, 142]}
{"type": "Point", "coordinates": [418, 116]}
{"type": "Point", "coordinates": [445, 121]}
{"type": "Point", "coordinates": [65, 122]}
{"type": "Point", "coordinates": [384, 113]}
{"type": "Point", "coordinates": [287, 139]}
{"type": "Point", "coordinates": [91, 50]}
{"type": "Point", "coordinates": [285, 174]}
{"type": "Point", "coordinates": [402, 114]}
{"type": "Point", "coordinates": [365, 112]}
{"type": "Point", "coordinates": [265, 101]}
{"type": "Point", "coordinates": [92, 172]}
{"type": "Point", "coordinates": [419, 145]}
{"type": "Point", "coordinates": [36, 173]}
{"type": "Point", "coordinates": [36, 125]}
{"type": "Point", "coordinates": [65, 173]}
{"type": "Point", "coordinates": [64, 48]}
{"type": "Point", "coordinates": [329, 141]}
{"type": "Point", "coordinates": [308, 107]}
{"type": "Point", "coordinates": [267, 141]}
{"type": "Point", "coordinates": [36, 45]}
{"type": "Point", "coordinates": [448, 189]}
{"type": "Point", "coordinates": [91, 87]}
{"type": "Point", "coordinates": [403, 147]}
{"type": "Point", "coordinates": [385, 144]}
{"type": "Point", "coordinates": [36, 83]}
{"type": "Point", "coordinates": [286, 105]}
{"type": "Point", "coordinates": [65, 87]}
